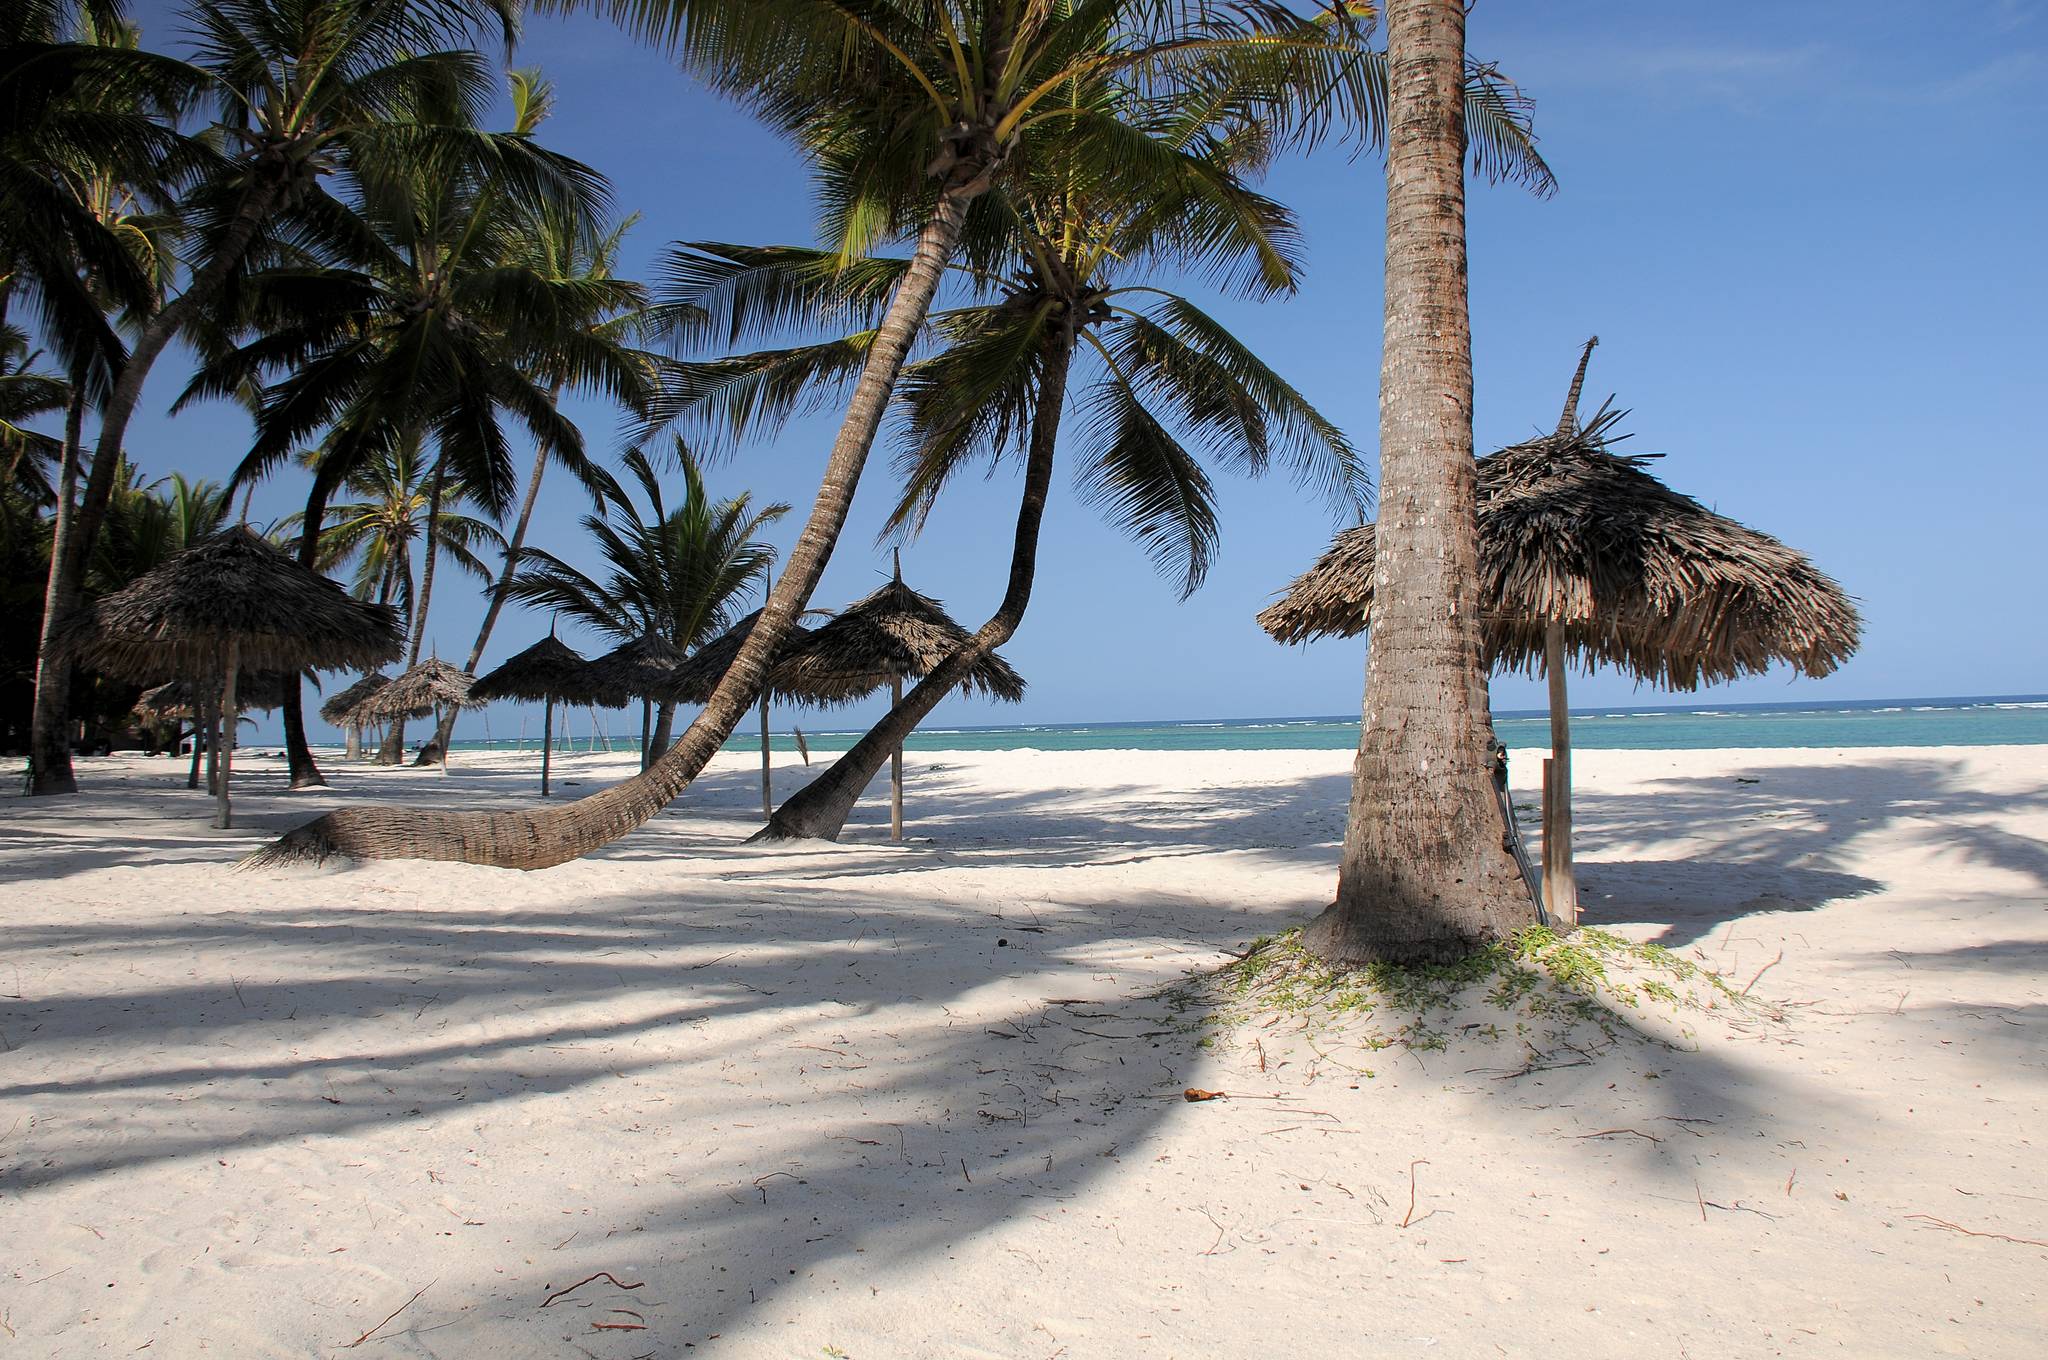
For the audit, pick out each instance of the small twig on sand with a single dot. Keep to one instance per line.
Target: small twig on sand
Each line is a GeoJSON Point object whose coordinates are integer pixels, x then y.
{"type": "Point", "coordinates": [1972, 1232]}
{"type": "Point", "coordinates": [1609, 1133]}
{"type": "Point", "coordinates": [1262, 1052]}
{"type": "Point", "coordinates": [601, 1275]}
{"type": "Point", "coordinates": [1219, 1234]}
{"type": "Point", "coordinates": [770, 1176]}
{"type": "Point", "coordinates": [1765, 969]}
{"type": "Point", "coordinates": [963, 1171]}
{"type": "Point", "coordinates": [388, 1316]}
{"type": "Point", "coordinates": [1409, 1217]}
{"type": "Point", "coordinates": [1788, 1182]}
{"type": "Point", "coordinates": [1700, 1197]}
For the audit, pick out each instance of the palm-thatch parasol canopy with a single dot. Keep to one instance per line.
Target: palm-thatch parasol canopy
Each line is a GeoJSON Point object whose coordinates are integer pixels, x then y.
{"type": "Point", "coordinates": [641, 669]}
{"type": "Point", "coordinates": [894, 634]}
{"type": "Point", "coordinates": [693, 681]}
{"type": "Point", "coordinates": [1638, 575]}
{"type": "Point", "coordinates": [182, 698]}
{"type": "Point", "coordinates": [548, 670]}
{"type": "Point", "coordinates": [1584, 554]}
{"type": "Point", "coordinates": [179, 618]}
{"type": "Point", "coordinates": [431, 685]}
{"type": "Point", "coordinates": [340, 711]}
{"type": "Point", "coordinates": [229, 602]}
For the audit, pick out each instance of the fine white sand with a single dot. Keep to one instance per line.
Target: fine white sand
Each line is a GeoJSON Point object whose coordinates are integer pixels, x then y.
{"type": "Point", "coordinates": [923, 1101]}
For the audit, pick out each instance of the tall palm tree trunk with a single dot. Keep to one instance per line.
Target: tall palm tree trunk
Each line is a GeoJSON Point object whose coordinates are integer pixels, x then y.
{"type": "Point", "coordinates": [664, 728]}
{"type": "Point", "coordinates": [393, 750]}
{"type": "Point", "coordinates": [820, 809]}
{"type": "Point", "coordinates": [445, 732]}
{"type": "Point", "coordinates": [46, 774]}
{"type": "Point", "coordinates": [298, 752]}
{"type": "Point", "coordinates": [1426, 874]}
{"type": "Point", "coordinates": [537, 838]}
{"type": "Point", "coordinates": [49, 741]}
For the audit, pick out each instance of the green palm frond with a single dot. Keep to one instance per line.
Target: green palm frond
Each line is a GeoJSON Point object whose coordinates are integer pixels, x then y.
{"type": "Point", "coordinates": [1146, 482]}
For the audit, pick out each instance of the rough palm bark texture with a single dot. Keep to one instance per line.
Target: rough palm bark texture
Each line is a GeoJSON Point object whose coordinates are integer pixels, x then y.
{"type": "Point", "coordinates": [1425, 874]}
{"type": "Point", "coordinates": [49, 740]}
{"type": "Point", "coordinates": [819, 810]}
{"type": "Point", "coordinates": [539, 838]}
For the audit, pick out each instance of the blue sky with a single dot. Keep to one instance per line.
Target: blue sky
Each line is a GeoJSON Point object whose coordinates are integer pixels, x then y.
{"type": "Point", "coordinates": [1809, 237]}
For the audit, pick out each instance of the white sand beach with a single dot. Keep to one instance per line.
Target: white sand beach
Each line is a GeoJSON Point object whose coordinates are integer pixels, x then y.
{"type": "Point", "coordinates": [882, 1101]}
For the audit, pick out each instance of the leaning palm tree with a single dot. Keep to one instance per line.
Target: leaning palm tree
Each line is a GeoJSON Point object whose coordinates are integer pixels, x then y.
{"type": "Point", "coordinates": [429, 341]}
{"type": "Point", "coordinates": [678, 574]}
{"type": "Point", "coordinates": [911, 111]}
{"type": "Point", "coordinates": [1063, 311]}
{"type": "Point", "coordinates": [305, 90]}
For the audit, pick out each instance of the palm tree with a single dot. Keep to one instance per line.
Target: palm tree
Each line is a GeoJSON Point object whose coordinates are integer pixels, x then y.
{"type": "Point", "coordinates": [27, 393]}
{"type": "Point", "coordinates": [90, 134]}
{"type": "Point", "coordinates": [569, 249]}
{"type": "Point", "coordinates": [1156, 375]}
{"type": "Point", "coordinates": [911, 110]}
{"type": "Point", "coordinates": [435, 334]}
{"type": "Point", "coordinates": [1425, 872]}
{"type": "Point", "coordinates": [679, 574]}
{"type": "Point", "coordinates": [306, 90]}
{"type": "Point", "coordinates": [378, 532]}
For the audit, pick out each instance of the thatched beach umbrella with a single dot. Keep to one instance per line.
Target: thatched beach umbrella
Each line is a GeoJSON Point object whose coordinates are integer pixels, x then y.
{"type": "Point", "coordinates": [642, 669]}
{"type": "Point", "coordinates": [426, 689]}
{"type": "Point", "coordinates": [696, 678]}
{"type": "Point", "coordinates": [228, 602]}
{"type": "Point", "coordinates": [891, 636]}
{"type": "Point", "coordinates": [547, 671]}
{"type": "Point", "coordinates": [341, 710]}
{"type": "Point", "coordinates": [1585, 555]}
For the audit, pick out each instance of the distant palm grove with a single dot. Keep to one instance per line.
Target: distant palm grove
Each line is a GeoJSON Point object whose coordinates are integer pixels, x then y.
{"type": "Point", "coordinates": [344, 216]}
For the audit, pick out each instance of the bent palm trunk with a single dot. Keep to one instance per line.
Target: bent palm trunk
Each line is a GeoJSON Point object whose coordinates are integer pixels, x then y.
{"type": "Point", "coordinates": [1425, 873]}
{"type": "Point", "coordinates": [538, 838]}
{"type": "Point", "coordinates": [820, 809]}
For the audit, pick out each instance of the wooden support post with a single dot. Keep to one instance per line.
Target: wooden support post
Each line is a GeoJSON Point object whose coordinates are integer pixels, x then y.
{"type": "Point", "coordinates": [222, 816]}
{"type": "Point", "coordinates": [1561, 887]}
{"type": "Point", "coordinates": [896, 768]}
{"type": "Point", "coordinates": [767, 779]}
{"type": "Point", "coordinates": [547, 740]}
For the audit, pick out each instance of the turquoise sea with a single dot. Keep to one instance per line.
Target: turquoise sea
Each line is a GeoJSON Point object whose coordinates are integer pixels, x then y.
{"type": "Point", "coordinates": [2002, 720]}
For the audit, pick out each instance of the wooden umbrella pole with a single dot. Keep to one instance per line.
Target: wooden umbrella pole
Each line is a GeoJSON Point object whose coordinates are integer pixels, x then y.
{"type": "Point", "coordinates": [767, 779]}
{"type": "Point", "coordinates": [222, 817]}
{"type": "Point", "coordinates": [896, 768]}
{"type": "Point", "coordinates": [547, 740]}
{"type": "Point", "coordinates": [1561, 889]}
{"type": "Point", "coordinates": [198, 742]}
